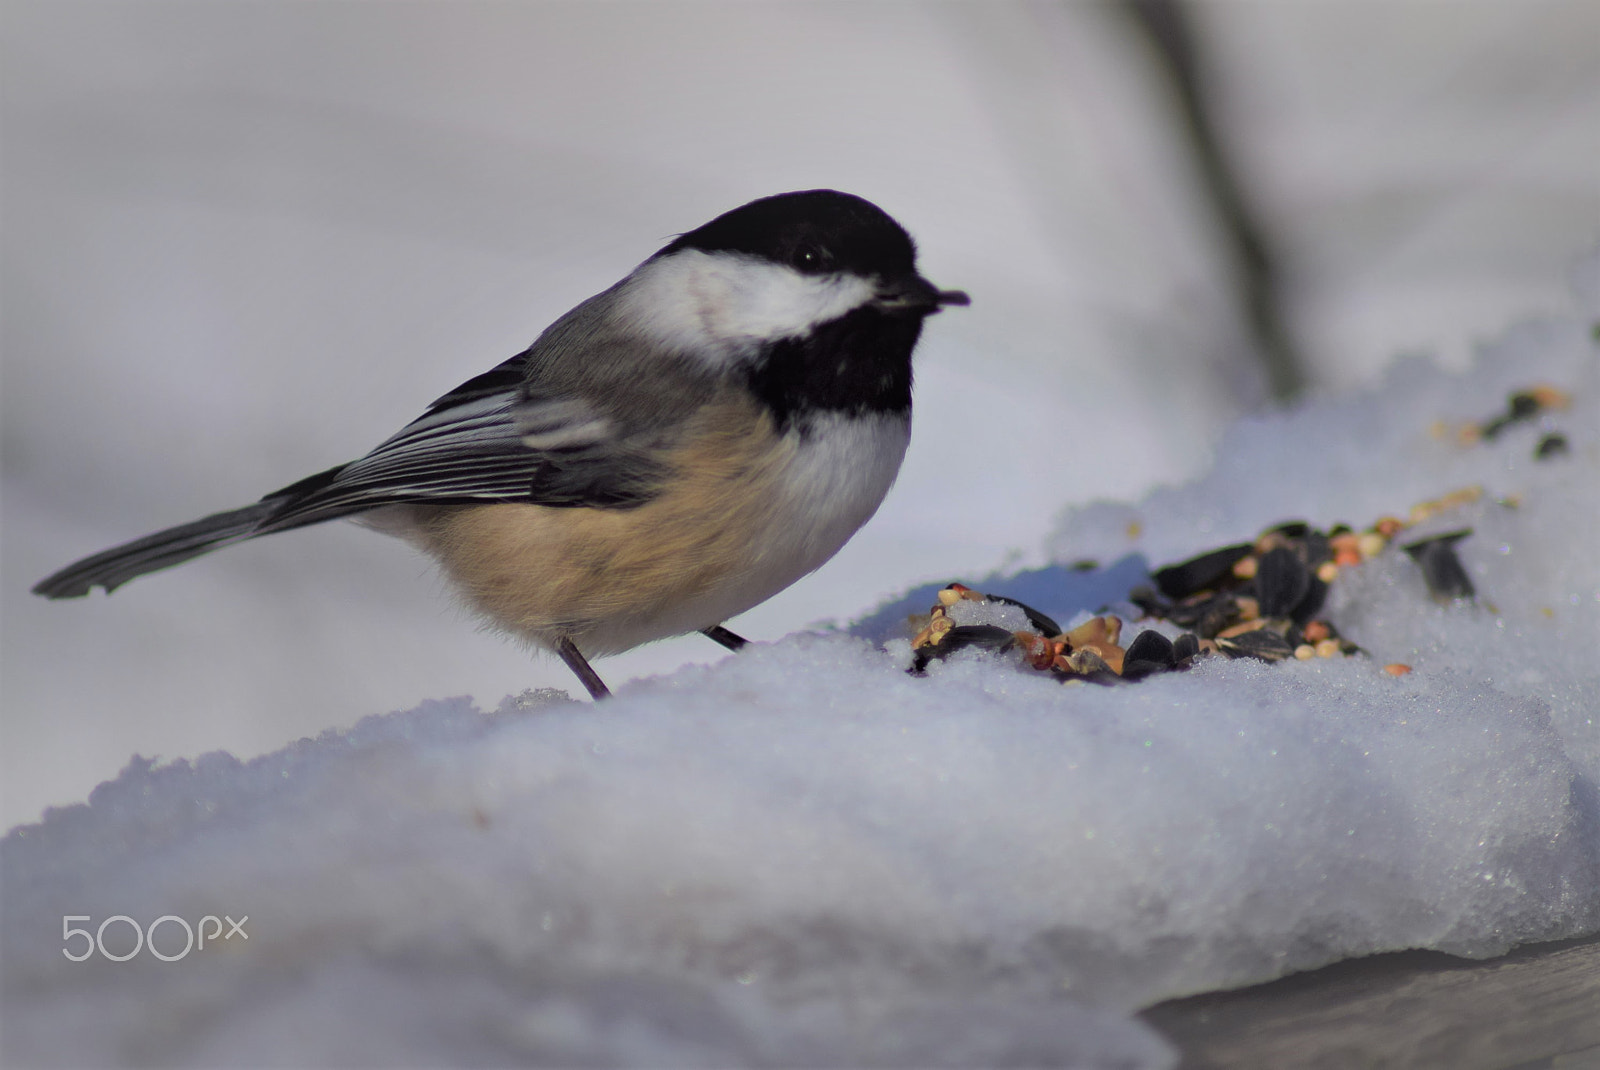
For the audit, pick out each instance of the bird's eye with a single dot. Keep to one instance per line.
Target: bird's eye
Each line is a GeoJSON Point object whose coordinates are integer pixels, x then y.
{"type": "Point", "coordinates": [813, 258]}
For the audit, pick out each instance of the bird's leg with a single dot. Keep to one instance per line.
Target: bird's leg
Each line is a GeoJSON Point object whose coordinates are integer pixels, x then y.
{"type": "Point", "coordinates": [728, 639]}
{"type": "Point", "coordinates": [582, 669]}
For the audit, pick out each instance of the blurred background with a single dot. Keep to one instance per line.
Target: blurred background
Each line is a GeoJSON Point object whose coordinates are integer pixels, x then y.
{"type": "Point", "coordinates": [242, 242]}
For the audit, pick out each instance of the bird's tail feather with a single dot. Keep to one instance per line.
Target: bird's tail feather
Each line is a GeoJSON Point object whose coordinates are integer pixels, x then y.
{"type": "Point", "coordinates": [114, 567]}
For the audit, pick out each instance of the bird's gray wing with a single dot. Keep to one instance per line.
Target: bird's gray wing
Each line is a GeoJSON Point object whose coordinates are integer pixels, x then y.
{"type": "Point", "coordinates": [492, 439]}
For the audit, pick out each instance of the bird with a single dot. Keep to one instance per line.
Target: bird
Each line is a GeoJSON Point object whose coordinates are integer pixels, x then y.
{"type": "Point", "coordinates": [663, 457]}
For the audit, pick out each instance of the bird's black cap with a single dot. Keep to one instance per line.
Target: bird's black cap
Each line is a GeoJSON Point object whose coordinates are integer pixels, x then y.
{"type": "Point", "coordinates": [816, 231]}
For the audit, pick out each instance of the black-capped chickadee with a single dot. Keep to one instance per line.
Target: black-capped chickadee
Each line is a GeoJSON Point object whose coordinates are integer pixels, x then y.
{"type": "Point", "coordinates": [666, 455]}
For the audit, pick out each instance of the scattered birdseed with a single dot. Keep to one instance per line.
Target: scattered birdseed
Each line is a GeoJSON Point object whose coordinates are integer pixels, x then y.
{"type": "Point", "coordinates": [1257, 599]}
{"type": "Point", "coordinates": [1441, 568]}
{"type": "Point", "coordinates": [1263, 643]}
{"type": "Point", "coordinates": [1282, 582]}
{"type": "Point", "coordinates": [1200, 573]}
{"type": "Point", "coordinates": [1371, 544]}
{"type": "Point", "coordinates": [1521, 406]}
{"type": "Point", "coordinates": [1551, 445]}
{"type": "Point", "coordinates": [1454, 500]}
{"type": "Point", "coordinates": [1150, 652]}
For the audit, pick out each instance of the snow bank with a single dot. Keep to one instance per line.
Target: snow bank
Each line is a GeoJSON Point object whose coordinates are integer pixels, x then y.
{"type": "Point", "coordinates": [803, 855]}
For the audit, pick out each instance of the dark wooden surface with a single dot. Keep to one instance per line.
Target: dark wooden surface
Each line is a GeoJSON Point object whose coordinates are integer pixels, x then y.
{"type": "Point", "coordinates": [1537, 1007]}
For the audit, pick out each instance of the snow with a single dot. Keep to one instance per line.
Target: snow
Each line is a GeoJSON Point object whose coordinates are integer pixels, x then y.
{"type": "Point", "coordinates": [802, 855]}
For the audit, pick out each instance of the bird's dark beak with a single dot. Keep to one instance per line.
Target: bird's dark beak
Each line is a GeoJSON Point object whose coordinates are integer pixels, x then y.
{"type": "Point", "coordinates": [916, 296]}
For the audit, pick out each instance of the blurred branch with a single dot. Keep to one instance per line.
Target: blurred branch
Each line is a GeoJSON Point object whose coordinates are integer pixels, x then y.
{"type": "Point", "coordinates": [1165, 23]}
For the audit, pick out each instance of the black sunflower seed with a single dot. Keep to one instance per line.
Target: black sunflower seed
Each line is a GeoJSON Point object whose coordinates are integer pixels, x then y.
{"type": "Point", "coordinates": [1200, 573]}
{"type": "Point", "coordinates": [1522, 405]}
{"type": "Point", "coordinates": [1150, 645]}
{"type": "Point", "coordinates": [1206, 614]}
{"type": "Point", "coordinates": [1041, 623]}
{"type": "Point", "coordinates": [1551, 445]}
{"type": "Point", "coordinates": [1282, 581]}
{"type": "Point", "coordinates": [1314, 549]}
{"type": "Point", "coordinates": [962, 636]}
{"type": "Point", "coordinates": [1441, 568]}
{"type": "Point", "coordinates": [1185, 647]}
{"type": "Point", "coordinates": [1263, 643]}
{"type": "Point", "coordinates": [1150, 652]}
{"type": "Point", "coordinates": [1311, 604]}
{"type": "Point", "coordinates": [983, 636]}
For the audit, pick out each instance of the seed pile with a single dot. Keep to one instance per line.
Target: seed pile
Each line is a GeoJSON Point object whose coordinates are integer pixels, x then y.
{"type": "Point", "coordinates": [1090, 652]}
{"type": "Point", "coordinates": [1259, 599]}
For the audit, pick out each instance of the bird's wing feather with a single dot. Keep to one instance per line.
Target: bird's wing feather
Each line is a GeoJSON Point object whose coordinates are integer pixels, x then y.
{"type": "Point", "coordinates": [479, 445]}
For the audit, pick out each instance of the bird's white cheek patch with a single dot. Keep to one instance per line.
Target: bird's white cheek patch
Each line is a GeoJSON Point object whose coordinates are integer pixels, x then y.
{"type": "Point", "coordinates": [719, 306]}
